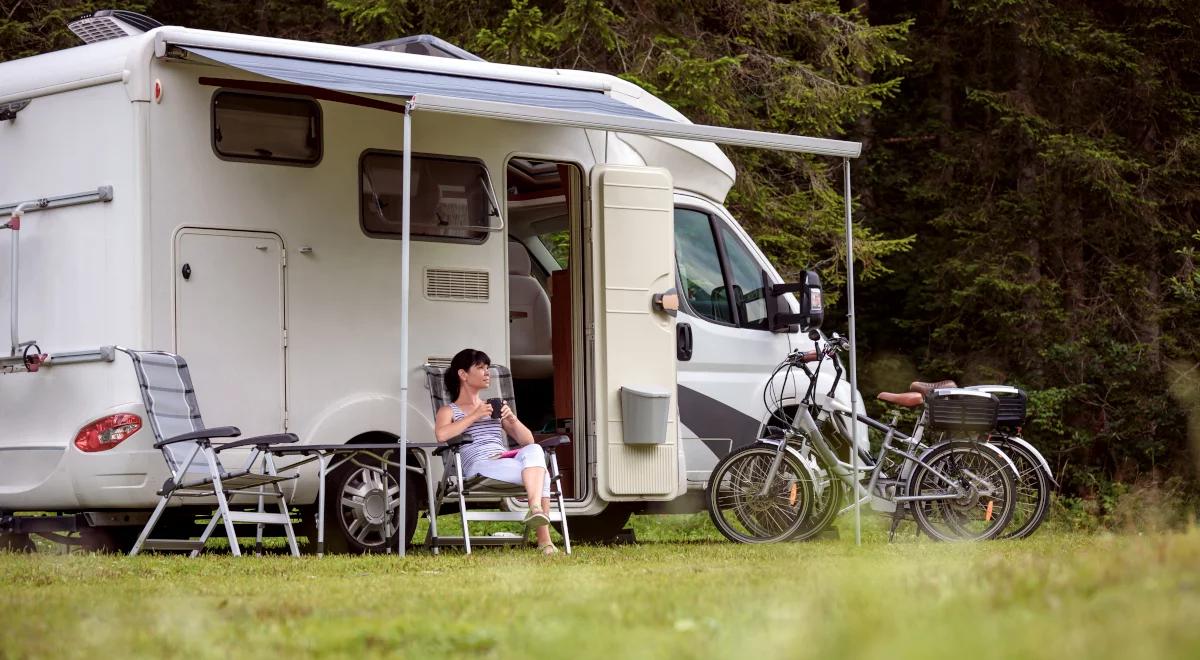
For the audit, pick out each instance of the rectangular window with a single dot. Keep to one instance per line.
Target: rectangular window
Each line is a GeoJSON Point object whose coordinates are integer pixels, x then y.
{"type": "Point", "coordinates": [451, 199]}
{"type": "Point", "coordinates": [273, 129]}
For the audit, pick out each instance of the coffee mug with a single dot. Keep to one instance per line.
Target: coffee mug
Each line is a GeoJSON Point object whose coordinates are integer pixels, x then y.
{"type": "Point", "coordinates": [496, 404]}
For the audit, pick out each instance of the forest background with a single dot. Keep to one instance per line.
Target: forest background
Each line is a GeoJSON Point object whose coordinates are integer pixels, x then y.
{"type": "Point", "coordinates": [1027, 203]}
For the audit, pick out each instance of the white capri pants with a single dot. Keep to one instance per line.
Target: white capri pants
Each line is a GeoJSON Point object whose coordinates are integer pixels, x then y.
{"type": "Point", "coordinates": [509, 469]}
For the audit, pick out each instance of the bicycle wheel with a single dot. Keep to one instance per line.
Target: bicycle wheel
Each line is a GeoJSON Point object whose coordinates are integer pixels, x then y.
{"type": "Point", "coordinates": [826, 501]}
{"type": "Point", "coordinates": [976, 506]}
{"type": "Point", "coordinates": [1033, 489]}
{"type": "Point", "coordinates": [746, 509]}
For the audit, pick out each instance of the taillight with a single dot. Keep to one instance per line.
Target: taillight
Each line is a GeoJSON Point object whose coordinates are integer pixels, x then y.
{"type": "Point", "coordinates": [107, 432]}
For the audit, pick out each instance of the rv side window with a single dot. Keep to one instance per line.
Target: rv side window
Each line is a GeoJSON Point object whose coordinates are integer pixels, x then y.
{"type": "Point", "coordinates": [699, 266]}
{"type": "Point", "coordinates": [451, 199]}
{"type": "Point", "coordinates": [273, 129]}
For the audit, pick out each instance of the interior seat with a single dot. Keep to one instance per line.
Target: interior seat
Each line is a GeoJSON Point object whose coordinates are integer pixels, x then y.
{"type": "Point", "coordinates": [529, 318]}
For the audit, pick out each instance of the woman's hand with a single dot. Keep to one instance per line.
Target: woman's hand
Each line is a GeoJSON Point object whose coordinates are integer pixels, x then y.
{"type": "Point", "coordinates": [481, 411]}
{"type": "Point", "coordinates": [506, 414]}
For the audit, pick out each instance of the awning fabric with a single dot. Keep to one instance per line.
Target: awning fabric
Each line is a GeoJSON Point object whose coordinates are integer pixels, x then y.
{"type": "Point", "coordinates": [400, 82]}
{"type": "Point", "coordinates": [507, 100]}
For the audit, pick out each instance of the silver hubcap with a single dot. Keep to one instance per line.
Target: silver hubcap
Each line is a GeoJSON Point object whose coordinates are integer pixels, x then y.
{"type": "Point", "coordinates": [365, 516]}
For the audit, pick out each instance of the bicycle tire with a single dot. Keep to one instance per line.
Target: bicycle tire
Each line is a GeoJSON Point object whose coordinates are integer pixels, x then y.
{"type": "Point", "coordinates": [961, 515]}
{"type": "Point", "coordinates": [826, 502]}
{"type": "Point", "coordinates": [1033, 489]}
{"type": "Point", "coordinates": [737, 509]}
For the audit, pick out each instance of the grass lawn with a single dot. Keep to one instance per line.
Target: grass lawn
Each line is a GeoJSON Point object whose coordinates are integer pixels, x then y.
{"type": "Point", "coordinates": [679, 593]}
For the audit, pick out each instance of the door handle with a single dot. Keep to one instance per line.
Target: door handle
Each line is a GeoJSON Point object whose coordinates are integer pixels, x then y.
{"type": "Point", "coordinates": [683, 341]}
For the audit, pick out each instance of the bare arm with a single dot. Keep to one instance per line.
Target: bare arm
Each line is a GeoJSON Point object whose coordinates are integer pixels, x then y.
{"type": "Point", "coordinates": [514, 428]}
{"type": "Point", "coordinates": [445, 428]}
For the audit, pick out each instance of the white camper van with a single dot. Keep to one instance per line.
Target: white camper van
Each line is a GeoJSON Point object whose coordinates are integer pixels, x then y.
{"type": "Point", "coordinates": [237, 200]}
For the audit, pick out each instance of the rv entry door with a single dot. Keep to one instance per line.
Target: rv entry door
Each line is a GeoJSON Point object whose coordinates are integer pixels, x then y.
{"type": "Point", "coordinates": [229, 325]}
{"type": "Point", "coordinates": [637, 443]}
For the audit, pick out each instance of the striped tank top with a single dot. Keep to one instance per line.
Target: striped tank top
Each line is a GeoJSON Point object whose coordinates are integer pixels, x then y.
{"type": "Point", "coordinates": [488, 439]}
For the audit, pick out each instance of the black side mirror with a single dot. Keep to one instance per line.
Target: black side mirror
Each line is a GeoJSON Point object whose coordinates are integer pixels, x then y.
{"type": "Point", "coordinates": [808, 293]}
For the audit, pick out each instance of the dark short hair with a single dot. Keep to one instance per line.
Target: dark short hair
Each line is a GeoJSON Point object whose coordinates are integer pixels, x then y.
{"type": "Point", "coordinates": [464, 359]}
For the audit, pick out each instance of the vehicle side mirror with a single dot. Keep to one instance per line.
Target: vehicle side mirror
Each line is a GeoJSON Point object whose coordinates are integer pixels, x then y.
{"type": "Point", "coordinates": [808, 293]}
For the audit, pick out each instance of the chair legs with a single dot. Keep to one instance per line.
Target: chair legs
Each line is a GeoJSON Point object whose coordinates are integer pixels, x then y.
{"type": "Point", "coordinates": [222, 515]}
{"type": "Point", "coordinates": [435, 504]}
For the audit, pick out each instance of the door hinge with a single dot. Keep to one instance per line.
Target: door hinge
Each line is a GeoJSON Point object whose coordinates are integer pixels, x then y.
{"type": "Point", "coordinates": [285, 338]}
{"type": "Point", "coordinates": [283, 257]}
{"type": "Point", "coordinates": [285, 420]}
{"type": "Point", "coordinates": [589, 332]}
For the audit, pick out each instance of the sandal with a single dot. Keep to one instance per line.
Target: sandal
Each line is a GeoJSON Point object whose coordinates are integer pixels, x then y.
{"type": "Point", "coordinates": [548, 549]}
{"type": "Point", "coordinates": [535, 518]}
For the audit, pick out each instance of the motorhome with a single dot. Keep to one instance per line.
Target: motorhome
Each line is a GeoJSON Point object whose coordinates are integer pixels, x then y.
{"type": "Point", "coordinates": [237, 199]}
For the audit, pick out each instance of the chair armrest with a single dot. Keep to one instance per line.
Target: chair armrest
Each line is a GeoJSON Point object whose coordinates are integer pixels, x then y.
{"type": "Point", "coordinates": [202, 434]}
{"type": "Point", "coordinates": [453, 444]}
{"type": "Point", "coordinates": [556, 441]}
{"type": "Point", "coordinates": [262, 441]}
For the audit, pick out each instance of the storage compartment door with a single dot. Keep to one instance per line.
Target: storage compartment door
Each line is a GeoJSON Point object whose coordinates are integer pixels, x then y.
{"type": "Point", "coordinates": [635, 343]}
{"type": "Point", "coordinates": [229, 325]}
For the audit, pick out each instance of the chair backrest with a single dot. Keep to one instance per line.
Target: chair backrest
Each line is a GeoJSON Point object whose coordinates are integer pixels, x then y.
{"type": "Point", "coordinates": [170, 402]}
{"type": "Point", "coordinates": [501, 386]}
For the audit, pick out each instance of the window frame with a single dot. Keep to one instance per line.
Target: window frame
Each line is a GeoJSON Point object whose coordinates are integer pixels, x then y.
{"type": "Point", "coordinates": [288, 162]}
{"type": "Point", "coordinates": [395, 236]}
{"type": "Point", "coordinates": [715, 224]}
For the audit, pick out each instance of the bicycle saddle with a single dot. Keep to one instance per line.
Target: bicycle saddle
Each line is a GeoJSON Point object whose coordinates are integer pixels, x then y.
{"type": "Point", "coordinates": [925, 388]}
{"type": "Point", "coordinates": [906, 399]}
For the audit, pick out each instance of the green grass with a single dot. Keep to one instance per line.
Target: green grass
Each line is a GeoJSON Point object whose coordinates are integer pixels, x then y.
{"type": "Point", "coordinates": [679, 593]}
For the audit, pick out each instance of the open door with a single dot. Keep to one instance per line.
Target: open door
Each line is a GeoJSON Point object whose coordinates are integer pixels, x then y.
{"type": "Point", "coordinates": [638, 438]}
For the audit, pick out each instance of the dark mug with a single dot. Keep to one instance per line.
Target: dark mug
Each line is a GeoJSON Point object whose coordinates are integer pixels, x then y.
{"type": "Point", "coordinates": [496, 404]}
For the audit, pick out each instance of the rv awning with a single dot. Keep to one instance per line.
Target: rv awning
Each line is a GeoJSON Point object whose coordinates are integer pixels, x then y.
{"type": "Point", "coordinates": [513, 101]}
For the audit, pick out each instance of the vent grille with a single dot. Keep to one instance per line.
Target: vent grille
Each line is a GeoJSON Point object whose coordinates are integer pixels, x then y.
{"type": "Point", "coordinates": [458, 285]}
{"type": "Point", "coordinates": [438, 361]}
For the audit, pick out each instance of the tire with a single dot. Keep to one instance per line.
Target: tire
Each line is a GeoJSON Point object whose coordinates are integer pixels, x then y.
{"type": "Point", "coordinates": [738, 509]}
{"type": "Point", "coordinates": [989, 482]}
{"type": "Point", "coordinates": [114, 540]}
{"type": "Point", "coordinates": [601, 529]}
{"type": "Point", "coordinates": [355, 519]}
{"type": "Point", "coordinates": [17, 543]}
{"type": "Point", "coordinates": [1033, 490]}
{"type": "Point", "coordinates": [828, 493]}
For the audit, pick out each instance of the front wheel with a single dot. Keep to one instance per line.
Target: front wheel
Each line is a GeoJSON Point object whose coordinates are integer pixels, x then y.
{"type": "Point", "coordinates": [975, 504]}
{"type": "Point", "coordinates": [1033, 489]}
{"type": "Point", "coordinates": [746, 508]}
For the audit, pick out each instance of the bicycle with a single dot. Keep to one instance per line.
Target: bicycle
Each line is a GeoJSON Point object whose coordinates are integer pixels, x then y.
{"type": "Point", "coordinates": [956, 490]}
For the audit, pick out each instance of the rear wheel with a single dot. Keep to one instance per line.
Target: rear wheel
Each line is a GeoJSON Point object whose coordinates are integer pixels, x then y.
{"type": "Point", "coordinates": [746, 508]}
{"type": "Point", "coordinates": [602, 528]}
{"type": "Point", "coordinates": [357, 520]}
{"type": "Point", "coordinates": [1033, 490]}
{"type": "Point", "coordinates": [975, 505]}
{"type": "Point", "coordinates": [17, 543]}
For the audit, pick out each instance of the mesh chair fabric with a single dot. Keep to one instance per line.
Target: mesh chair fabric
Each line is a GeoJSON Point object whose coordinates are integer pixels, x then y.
{"type": "Point", "coordinates": [170, 402]}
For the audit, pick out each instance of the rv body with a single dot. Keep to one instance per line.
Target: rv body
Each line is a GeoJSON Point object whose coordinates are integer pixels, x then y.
{"type": "Point", "coordinates": [262, 269]}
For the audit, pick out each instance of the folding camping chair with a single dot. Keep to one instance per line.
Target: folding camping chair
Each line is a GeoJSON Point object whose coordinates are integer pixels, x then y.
{"type": "Point", "coordinates": [453, 485]}
{"type": "Point", "coordinates": [193, 456]}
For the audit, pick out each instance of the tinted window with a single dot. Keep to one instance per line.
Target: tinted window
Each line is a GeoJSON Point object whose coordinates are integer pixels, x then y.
{"type": "Point", "coordinates": [266, 128]}
{"type": "Point", "coordinates": [700, 267]}
{"type": "Point", "coordinates": [450, 198]}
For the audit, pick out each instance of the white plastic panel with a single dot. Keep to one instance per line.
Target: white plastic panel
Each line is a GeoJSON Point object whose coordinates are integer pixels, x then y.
{"type": "Point", "coordinates": [635, 343]}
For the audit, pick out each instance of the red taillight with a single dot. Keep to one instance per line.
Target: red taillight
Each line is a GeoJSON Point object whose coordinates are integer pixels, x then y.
{"type": "Point", "coordinates": [107, 432]}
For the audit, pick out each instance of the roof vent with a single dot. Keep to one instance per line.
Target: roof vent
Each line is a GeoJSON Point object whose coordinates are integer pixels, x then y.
{"type": "Point", "coordinates": [108, 24]}
{"type": "Point", "coordinates": [425, 44]}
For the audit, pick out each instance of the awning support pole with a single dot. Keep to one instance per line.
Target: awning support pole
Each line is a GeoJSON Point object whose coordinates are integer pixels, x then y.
{"type": "Point", "coordinates": [853, 350]}
{"type": "Point", "coordinates": [405, 225]}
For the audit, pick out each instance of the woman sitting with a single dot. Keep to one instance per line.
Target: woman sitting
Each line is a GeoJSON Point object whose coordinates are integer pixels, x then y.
{"type": "Point", "coordinates": [466, 377]}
